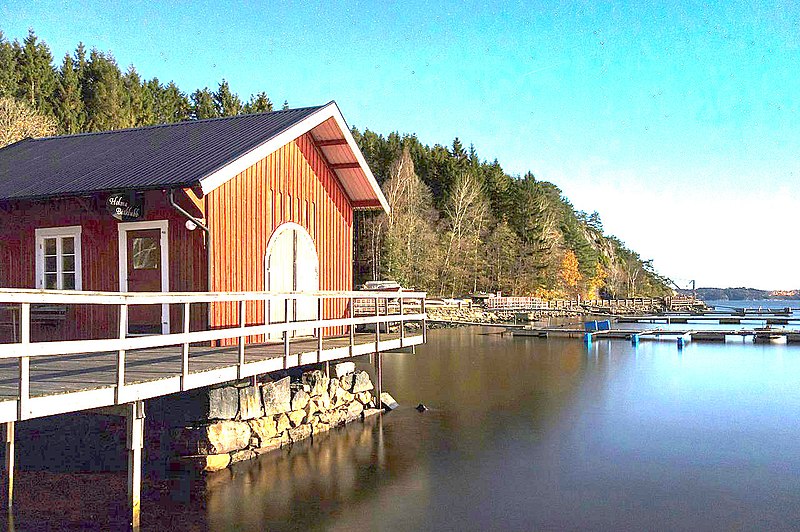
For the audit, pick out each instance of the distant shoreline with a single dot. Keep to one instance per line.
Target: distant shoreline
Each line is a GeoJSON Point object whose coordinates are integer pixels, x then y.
{"type": "Point", "coordinates": [743, 294]}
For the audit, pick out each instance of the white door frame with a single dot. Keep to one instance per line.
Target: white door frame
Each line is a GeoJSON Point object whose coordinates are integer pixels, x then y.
{"type": "Point", "coordinates": [163, 226]}
{"type": "Point", "coordinates": [302, 233]}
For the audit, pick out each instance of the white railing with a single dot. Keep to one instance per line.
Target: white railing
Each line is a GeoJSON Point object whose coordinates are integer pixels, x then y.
{"type": "Point", "coordinates": [390, 308]}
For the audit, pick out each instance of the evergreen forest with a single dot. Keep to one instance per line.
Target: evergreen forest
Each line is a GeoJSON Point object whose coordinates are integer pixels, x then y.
{"type": "Point", "coordinates": [458, 223]}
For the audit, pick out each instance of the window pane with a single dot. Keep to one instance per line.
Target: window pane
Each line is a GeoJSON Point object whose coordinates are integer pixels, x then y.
{"type": "Point", "coordinates": [145, 253]}
{"type": "Point", "coordinates": [68, 245]}
{"type": "Point", "coordinates": [50, 264]}
{"type": "Point", "coordinates": [68, 263]}
{"type": "Point", "coordinates": [49, 246]}
{"type": "Point", "coordinates": [69, 281]}
{"type": "Point", "coordinates": [51, 281]}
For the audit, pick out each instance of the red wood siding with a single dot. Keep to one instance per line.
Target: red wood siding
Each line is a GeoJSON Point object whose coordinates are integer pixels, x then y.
{"type": "Point", "coordinates": [99, 257]}
{"type": "Point", "coordinates": [293, 184]}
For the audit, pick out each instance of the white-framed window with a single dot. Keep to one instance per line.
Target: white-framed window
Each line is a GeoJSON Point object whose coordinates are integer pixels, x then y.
{"type": "Point", "coordinates": [58, 258]}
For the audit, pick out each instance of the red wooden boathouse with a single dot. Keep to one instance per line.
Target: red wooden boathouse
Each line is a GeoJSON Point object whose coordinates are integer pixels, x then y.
{"type": "Point", "coordinates": [245, 203]}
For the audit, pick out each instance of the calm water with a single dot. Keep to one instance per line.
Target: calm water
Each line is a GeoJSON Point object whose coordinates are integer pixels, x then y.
{"type": "Point", "coordinates": [545, 434]}
{"type": "Point", "coordinates": [532, 434]}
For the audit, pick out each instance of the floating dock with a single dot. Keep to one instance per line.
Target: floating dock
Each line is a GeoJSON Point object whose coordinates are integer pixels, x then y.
{"type": "Point", "coordinates": [725, 319]}
{"type": "Point", "coordinates": [758, 335]}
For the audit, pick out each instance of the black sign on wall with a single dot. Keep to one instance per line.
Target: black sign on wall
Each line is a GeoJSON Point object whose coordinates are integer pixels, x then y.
{"type": "Point", "coordinates": [126, 206]}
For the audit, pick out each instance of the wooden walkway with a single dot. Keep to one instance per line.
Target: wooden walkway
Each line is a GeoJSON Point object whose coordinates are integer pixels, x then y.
{"type": "Point", "coordinates": [117, 374]}
{"type": "Point", "coordinates": [53, 377]}
{"type": "Point", "coordinates": [66, 383]}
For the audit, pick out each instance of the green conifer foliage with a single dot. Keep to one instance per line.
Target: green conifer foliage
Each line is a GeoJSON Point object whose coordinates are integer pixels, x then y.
{"type": "Point", "coordinates": [137, 105]}
{"type": "Point", "coordinates": [259, 103]}
{"type": "Point", "coordinates": [8, 68]}
{"type": "Point", "coordinates": [169, 103]}
{"type": "Point", "coordinates": [227, 102]}
{"type": "Point", "coordinates": [37, 81]}
{"type": "Point", "coordinates": [69, 109]}
{"type": "Point", "coordinates": [104, 93]}
{"type": "Point", "coordinates": [203, 104]}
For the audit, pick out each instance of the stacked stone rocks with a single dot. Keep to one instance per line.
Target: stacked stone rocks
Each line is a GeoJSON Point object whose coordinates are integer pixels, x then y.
{"type": "Point", "coordinates": [476, 314]}
{"type": "Point", "coordinates": [243, 421]}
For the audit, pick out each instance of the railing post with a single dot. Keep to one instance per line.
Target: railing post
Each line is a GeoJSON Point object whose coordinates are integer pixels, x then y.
{"type": "Point", "coordinates": [8, 485]}
{"type": "Point", "coordinates": [377, 325]}
{"type": "Point", "coordinates": [24, 362]}
{"type": "Point", "coordinates": [319, 329]}
{"type": "Point", "coordinates": [424, 321]}
{"type": "Point", "coordinates": [185, 347]}
{"type": "Point", "coordinates": [352, 336]}
{"type": "Point", "coordinates": [122, 333]}
{"type": "Point", "coordinates": [402, 326]}
{"type": "Point", "coordinates": [378, 378]}
{"type": "Point", "coordinates": [242, 325]}
{"type": "Point", "coordinates": [135, 441]}
{"type": "Point", "coordinates": [286, 333]}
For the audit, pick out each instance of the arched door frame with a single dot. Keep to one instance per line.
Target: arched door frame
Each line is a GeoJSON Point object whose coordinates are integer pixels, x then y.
{"type": "Point", "coordinates": [301, 232]}
{"type": "Point", "coordinates": [300, 309]}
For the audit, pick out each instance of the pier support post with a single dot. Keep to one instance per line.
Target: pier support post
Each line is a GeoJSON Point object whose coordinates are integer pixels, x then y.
{"type": "Point", "coordinates": [378, 378]}
{"type": "Point", "coordinates": [8, 484]}
{"type": "Point", "coordinates": [135, 441]}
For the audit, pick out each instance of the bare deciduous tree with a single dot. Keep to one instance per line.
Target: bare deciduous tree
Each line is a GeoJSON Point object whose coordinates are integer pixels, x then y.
{"type": "Point", "coordinates": [409, 240]}
{"type": "Point", "coordinates": [18, 121]}
{"type": "Point", "coordinates": [466, 212]}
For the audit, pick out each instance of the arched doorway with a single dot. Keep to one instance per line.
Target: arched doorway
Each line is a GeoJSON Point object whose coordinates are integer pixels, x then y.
{"type": "Point", "coordinates": [292, 265]}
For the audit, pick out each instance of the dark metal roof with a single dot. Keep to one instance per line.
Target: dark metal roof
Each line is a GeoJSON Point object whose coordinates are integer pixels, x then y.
{"type": "Point", "coordinates": [164, 156]}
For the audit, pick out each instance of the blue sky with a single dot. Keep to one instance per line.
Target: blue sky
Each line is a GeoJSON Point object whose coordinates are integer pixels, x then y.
{"type": "Point", "coordinates": [678, 123]}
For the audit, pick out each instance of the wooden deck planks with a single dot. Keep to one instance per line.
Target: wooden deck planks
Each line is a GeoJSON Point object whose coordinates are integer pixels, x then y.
{"type": "Point", "coordinates": [62, 374]}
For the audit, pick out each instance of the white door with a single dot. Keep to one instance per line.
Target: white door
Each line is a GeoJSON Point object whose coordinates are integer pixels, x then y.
{"type": "Point", "coordinates": [292, 265]}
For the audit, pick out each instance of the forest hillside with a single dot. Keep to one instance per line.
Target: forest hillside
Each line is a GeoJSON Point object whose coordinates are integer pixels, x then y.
{"type": "Point", "coordinates": [458, 223]}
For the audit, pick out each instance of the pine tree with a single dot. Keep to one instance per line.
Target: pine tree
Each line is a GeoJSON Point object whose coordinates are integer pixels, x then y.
{"type": "Point", "coordinates": [8, 68]}
{"type": "Point", "coordinates": [259, 103]}
{"type": "Point", "coordinates": [285, 105]}
{"type": "Point", "coordinates": [37, 79]}
{"type": "Point", "coordinates": [169, 103]}
{"type": "Point", "coordinates": [227, 102]}
{"type": "Point", "coordinates": [203, 104]}
{"type": "Point", "coordinates": [104, 93]}
{"type": "Point", "coordinates": [137, 105]}
{"type": "Point", "coordinates": [69, 109]}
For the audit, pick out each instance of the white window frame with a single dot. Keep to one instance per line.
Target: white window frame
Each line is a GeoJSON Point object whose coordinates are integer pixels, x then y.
{"type": "Point", "coordinates": [73, 231]}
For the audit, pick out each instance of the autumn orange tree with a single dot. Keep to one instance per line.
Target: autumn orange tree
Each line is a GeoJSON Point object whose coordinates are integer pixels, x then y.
{"type": "Point", "coordinates": [570, 274]}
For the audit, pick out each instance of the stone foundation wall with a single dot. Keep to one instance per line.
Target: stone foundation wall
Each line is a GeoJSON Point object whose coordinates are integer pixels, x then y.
{"type": "Point", "coordinates": [240, 421]}
{"type": "Point", "coordinates": [473, 314]}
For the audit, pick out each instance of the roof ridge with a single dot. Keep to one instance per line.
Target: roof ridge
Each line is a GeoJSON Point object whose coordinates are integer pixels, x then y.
{"type": "Point", "coordinates": [172, 124]}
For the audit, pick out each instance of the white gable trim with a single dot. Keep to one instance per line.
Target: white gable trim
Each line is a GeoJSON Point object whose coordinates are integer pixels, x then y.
{"type": "Point", "coordinates": [229, 171]}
